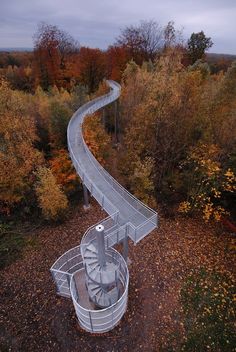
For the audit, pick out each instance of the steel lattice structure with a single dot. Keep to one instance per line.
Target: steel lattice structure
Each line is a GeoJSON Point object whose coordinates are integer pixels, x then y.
{"type": "Point", "coordinates": [94, 274]}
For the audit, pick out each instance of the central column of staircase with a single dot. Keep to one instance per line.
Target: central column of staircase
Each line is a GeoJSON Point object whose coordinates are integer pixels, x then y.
{"type": "Point", "coordinates": [102, 271]}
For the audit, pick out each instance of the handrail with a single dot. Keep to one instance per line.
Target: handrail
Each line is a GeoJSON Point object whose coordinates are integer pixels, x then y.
{"type": "Point", "coordinates": [90, 107]}
{"type": "Point", "coordinates": [136, 223]}
{"type": "Point", "coordinates": [126, 289]}
{"type": "Point", "coordinates": [92, 158]}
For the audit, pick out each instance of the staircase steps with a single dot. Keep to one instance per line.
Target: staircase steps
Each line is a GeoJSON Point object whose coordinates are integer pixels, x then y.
{"type": "Point", "coordinates": [100, 296]}
{"type": "Point", "coordinates": [104, 276]}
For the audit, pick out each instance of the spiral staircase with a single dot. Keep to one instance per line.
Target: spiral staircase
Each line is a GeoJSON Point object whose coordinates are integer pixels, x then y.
{"type": "Point", "coordinates": [94, 274]}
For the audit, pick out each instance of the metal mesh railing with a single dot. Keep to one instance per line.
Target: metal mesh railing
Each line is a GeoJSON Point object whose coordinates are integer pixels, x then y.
{"type": "Point", "coordinates": [127, 217]}
{"type": "Point", "coordinates": [62, 270]}
{"type": "Point", "coordinates": [102, 320]}
{"type": "Point", "coordinates": [104, 188]}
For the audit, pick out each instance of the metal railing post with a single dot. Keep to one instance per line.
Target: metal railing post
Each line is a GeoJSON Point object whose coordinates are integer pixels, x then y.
{"type": "Point", "coordinates": [91, 322]}
{"type": "Point", "coordinates": [68, 280]}
{"type": "Point", "coordinates": [55, 281]}
{"type": "Point", "coordinates": [76, 291]}
{"type": "Point", "coordinates": [125, 244]}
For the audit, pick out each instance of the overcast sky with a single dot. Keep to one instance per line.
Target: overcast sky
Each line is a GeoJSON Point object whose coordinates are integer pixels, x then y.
{"type": "Point", "coordinates": [96, 23]}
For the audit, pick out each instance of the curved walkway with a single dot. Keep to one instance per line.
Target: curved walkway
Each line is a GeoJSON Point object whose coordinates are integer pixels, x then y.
{"type": "Point", "coordinates": [93, 274]}
{"type": "Point", "coordinates": [109, 193]}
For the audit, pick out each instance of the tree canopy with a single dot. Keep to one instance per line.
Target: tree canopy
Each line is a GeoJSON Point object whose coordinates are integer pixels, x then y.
{"type": "Point", "coordinates": [197, 45]}
{"type": "Point", "coordinates": [52, 48]}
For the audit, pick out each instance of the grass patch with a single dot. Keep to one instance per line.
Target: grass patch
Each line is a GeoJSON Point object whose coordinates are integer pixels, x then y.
{"type": "Point", "coordinates": [12, 244]}
{"type": "Point", "coordinates": [208, 300]}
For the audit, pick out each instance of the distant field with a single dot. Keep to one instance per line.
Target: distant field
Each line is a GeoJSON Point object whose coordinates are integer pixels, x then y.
{"type": "Point", "coordinates": [15, 49]}
{"type": "Point", "coordinates": [217, 57]}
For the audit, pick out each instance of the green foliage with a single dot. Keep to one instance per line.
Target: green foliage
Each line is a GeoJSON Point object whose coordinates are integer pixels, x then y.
{"type": "Point", "coordinates": [201, 66]}
{"type": "Point", "coordinates": [78, 97]}
{"type": "Point", "coordinates": [11, 246]}
{"type": "Point", "coordinates": [198, 43]}
{"type": "Point", "coordinates": [208, 300]}
{"type": "Point", "coordinates": [60, 116]}
{"type": "Point", "coordinates": [13, 241]}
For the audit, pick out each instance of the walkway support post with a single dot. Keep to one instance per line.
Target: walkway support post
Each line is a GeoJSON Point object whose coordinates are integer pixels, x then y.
{"type": "Point", "coordinates": [125, 249]}
{"type": "Point", "coordinates": [86, 198]}
{"type": "Point", "coordinates": [101, 245]}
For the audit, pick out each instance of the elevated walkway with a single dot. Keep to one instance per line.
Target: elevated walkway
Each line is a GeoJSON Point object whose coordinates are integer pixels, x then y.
{"type": "Point", "coordinates": [94, 274]}
{"type": "Point", "coordinates": [106, 190]}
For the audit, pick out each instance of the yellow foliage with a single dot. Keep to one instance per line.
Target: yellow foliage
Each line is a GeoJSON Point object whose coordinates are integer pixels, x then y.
{"type": "Point", "coordinates": [184, 207]}
{"type": "Point", "coordinates": [207, 211]}
{"type": "Point", "coordinates": [52, 200]}
{"type": "Point", "coordinates": [96, 137]}
{"type": "Point", "coordinates": [209, 181]}
{"type": "Point", "coordinates": [175, 116]}
{"type": "Point", "coordinates": [229, 184]}
{"type": "Point", "coordinates": [18, 157]}
{"type": "Point", "coordinates": [142, 182]}
{"type": "Point", "coordinates": [158, 113]}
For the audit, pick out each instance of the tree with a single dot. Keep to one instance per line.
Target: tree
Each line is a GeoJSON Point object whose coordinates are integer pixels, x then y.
{"type": "Point", "coordinates": [142, 185]}
{"type": "Point", "coordinates": [159, 111]}
{"type": "Point", "coordinates": [59, 119]}
{"type": "Point", "coordinates": [143, 41]}
{"type": "Point", "coordinates": [52, 48]}
{"type": "Point", "coordinates": [20, 78]}
{"type": "Point", "coordinates": [51, 199]}
{"type": "Point", "coordinates": [172, 37]}
{"type": "Point", "coordinates": [209, 182]}
{"type": "Point", "coordinates": [197, 45]}
{"type": "Point", "coordinates": [183, 121]}
{"type": "Point", "coordinates": [96, 137]}
{"type": "Point", "coordinates": [117, 58]}
{"type": "Point", "coordinates": [64, 171]}
{"type": "Point", "coordinates": [18, 156]}
{"type": "Point", "coordinates": [92, 67]}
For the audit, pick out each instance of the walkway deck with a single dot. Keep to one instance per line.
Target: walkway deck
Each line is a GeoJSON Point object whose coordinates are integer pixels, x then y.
{"type": "Point", "coordinates": [88, 168]}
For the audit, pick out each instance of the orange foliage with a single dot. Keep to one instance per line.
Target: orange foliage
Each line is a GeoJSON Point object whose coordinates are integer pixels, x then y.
{"type": "Point", "coordinates": [53, 50]}
{"type": "Point", "coordinates": [117, 58]}
{"type": "Point", "coordinates": [96, 137]}
{"type": "Point", "coordinates": [92, 67]}
{"type": "Point", "coordinates": [64, 171]}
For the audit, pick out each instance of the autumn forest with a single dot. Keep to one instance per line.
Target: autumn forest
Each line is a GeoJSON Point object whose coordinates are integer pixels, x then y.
{"type": "Point", "coordinates": [170, 140]}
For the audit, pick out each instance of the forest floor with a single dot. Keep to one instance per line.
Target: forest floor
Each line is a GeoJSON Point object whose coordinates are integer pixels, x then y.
{"type": "Point", "coordinates": [33, 318]}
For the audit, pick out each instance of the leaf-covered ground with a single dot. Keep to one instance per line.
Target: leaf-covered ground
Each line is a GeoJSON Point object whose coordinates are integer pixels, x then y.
{"type": "Point", "coordinates": [33, 318]}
